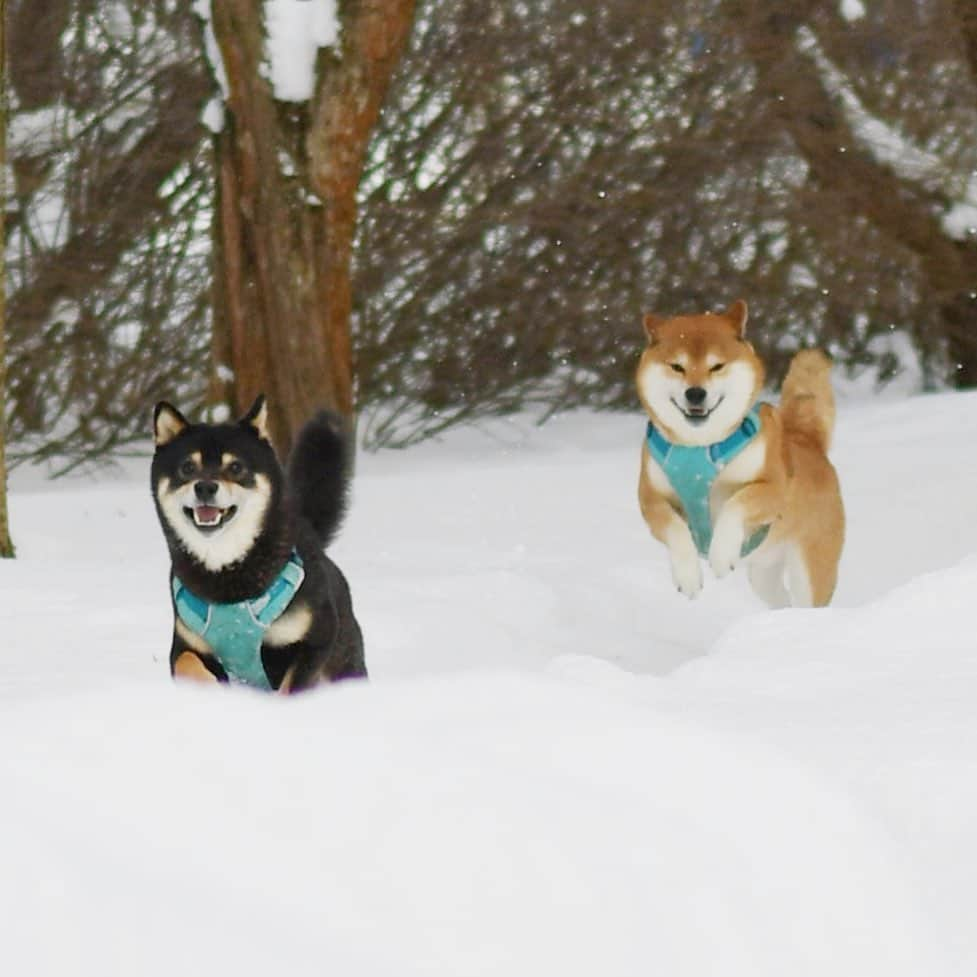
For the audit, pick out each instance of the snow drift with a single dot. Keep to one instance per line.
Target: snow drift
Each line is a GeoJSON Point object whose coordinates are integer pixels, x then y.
{"type": "Point", "coordinates": [559, 766]}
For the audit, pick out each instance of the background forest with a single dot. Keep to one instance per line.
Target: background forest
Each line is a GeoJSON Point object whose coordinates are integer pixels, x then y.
{"type": "Point", "coordinates": [541, 174]}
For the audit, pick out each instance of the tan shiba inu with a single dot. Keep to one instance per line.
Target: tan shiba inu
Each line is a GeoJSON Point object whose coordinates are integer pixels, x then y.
{"type": "Point", "coordinates": [725, 478]}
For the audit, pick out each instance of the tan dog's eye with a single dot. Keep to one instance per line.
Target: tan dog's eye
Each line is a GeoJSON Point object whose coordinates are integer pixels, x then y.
{"type": "Point", "coordinates": [716, 368]}
{"type": "Point", "coordinates": [677, 367]}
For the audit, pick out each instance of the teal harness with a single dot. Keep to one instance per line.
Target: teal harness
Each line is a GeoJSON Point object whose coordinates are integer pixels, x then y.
{"type": "Point", "coordinates": [235, 631]}
{"type": "Point", "coordinates": [691, 471]}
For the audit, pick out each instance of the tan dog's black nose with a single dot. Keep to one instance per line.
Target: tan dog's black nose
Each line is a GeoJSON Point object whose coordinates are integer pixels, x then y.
{"type": "Point", "coordinates": [696, 396]}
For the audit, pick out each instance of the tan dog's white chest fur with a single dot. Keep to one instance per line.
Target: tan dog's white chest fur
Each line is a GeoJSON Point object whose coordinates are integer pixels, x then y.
{"type": "Point", "coordinates": [697, 380]}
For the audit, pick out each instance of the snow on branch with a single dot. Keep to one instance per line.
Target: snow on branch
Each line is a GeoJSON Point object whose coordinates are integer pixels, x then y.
{"type": "Point", "coordinates": [295, 30]}
{"type": "Point", "coordinates": [202, 9]}
{"type": "Point", "coordinates": [852, 10]}
{"type": "Point", "coordinates": [892, 149]}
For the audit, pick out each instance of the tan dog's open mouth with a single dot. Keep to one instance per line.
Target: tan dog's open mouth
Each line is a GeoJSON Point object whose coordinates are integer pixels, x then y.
{"type": "Point", "coordinates": [698, 414]}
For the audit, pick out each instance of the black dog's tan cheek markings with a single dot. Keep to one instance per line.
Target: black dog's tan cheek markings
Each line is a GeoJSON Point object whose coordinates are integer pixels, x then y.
{"type": "Point", "coordinates": [244, 478]}
{"type": "Point", "coordinates": [196, 459]}
{"type": "Point", "coordinates": [190, 638]}
{"type": "Point", "coordinates": [189, 666]}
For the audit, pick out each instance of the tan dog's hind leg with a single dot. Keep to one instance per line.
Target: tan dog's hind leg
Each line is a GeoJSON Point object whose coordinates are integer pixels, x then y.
{"type": "Point", "coordinates": [189, 666]}
{"type": "Point", "coordinates": [799, 580]}
{"type": "Point", "coordinates": [767, 581]}
{"type": "Point", "coordinates": [811, 577]}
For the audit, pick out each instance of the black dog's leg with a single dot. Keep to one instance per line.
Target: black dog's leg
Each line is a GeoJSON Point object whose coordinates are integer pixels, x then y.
{"type": "Point", "coordinates": [185, 663]}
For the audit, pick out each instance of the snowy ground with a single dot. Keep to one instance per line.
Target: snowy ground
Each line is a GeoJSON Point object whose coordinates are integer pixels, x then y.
{"type": "Point", "coordinates": [560, 766]}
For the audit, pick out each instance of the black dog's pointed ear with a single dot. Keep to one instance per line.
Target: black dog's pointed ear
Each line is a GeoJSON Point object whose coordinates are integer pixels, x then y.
{"type": "Point", "coordinates": [168, 422]}
{"type": "Point", "coordinates": [257, 417]}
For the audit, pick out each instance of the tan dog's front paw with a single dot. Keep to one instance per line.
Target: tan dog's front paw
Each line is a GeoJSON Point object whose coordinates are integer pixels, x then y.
{"type": "Point", "coordinates": [686, 569]}
{"type": "Point", "coordinates": [727, 543]}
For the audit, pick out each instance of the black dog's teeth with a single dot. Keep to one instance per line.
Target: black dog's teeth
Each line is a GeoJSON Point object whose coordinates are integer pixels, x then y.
{"type": "Point", "coordinates": [208, 527]}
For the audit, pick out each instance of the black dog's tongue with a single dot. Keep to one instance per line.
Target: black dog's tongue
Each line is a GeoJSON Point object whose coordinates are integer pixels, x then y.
{"type": "Point", "coordinates": [207, 515]}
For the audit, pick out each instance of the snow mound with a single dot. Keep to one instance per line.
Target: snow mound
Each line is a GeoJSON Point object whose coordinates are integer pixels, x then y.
{"type": "Point", "coordinates": [560, 766]}
{"type": "Point", "coordinates": [484, 824]}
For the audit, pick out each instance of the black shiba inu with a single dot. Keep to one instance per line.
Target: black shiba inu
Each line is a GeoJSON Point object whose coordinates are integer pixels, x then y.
{"type": "Point", "coordinates": [255, 598]}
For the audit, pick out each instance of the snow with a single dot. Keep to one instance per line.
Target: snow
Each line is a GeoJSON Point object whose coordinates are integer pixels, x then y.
{"type": "Point", "coordinates": [42, 131]}
{"type": "Point", "coordinates": [559, 765]}
{"type": "Point", "coordinates": [853, 10]}
{"type": "Point", "coordinates": [213, 115]}
{"type": "Point", "coordinates": [296, 30]}
{"type": "Point", "coordinates": [960, 221]}
{"type": "Point", "coordinates": [202, 8]}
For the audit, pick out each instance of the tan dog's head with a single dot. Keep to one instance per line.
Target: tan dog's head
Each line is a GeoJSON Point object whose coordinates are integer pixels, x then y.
{"type": "Point", "coordinates": [699, 376]}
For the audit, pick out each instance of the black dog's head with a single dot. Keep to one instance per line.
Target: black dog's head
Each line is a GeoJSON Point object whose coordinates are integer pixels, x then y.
{"type": "Point", "coordinates": [214, 485]}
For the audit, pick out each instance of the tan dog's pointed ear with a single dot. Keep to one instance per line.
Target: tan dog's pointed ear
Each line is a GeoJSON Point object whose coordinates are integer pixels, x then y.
{"type": "Point", "coordinates": [738, 313]}
{"type": "Point", "coordinates": [168, 422]}
{"type": "Point", "coordinates": [257, 417]}
{"type": "Point", "coordinates": [652, 324]}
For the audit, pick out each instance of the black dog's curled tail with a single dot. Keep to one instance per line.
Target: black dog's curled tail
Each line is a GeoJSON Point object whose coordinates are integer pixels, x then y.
{"type": "Point", "coordinates": [319, 472]}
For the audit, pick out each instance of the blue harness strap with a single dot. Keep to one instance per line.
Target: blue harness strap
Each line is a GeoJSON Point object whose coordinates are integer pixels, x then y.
{"type": "Point", "coordinates": [692, 471]}
{"type": "Point", "coordinates": [235, 632]}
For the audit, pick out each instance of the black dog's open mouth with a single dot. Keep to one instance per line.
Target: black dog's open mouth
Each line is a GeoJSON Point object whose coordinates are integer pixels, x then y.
{"type": "Point", "coordinates": [210, 518]}
{"type": "Point", "coordinates": [697, 415]}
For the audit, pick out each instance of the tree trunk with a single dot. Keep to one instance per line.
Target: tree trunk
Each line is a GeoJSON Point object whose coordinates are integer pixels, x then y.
{"type": "Point", "coordinates": [286, 212]}
{"type": "Point", "coordinates": [6, 544]}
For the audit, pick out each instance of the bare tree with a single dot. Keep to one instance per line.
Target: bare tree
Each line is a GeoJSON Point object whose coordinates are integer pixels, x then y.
{"type": "Point", "coordinates": [540, 175]}
{"type": "Point", "coordinates": [6, 544]}
{"type": "Point", "coordinates": [795, 97]}
{"type": "Point", "coordinates": [544, 172]}
{"type": "Point", "coordinates": [288, 173]}
{"type": "Point", "coordinates": [106, 247]}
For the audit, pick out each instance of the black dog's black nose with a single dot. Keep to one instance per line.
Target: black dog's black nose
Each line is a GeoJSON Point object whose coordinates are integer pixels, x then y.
{"type": "Point", "coordinates": [205, 491]}
{"type": "Point", "coordinates": [696, 396]}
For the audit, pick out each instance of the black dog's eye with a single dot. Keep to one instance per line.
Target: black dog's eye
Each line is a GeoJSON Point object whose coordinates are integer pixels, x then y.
{"type": "Point", "coordinates": [716, 368]}
{"type": "Point", "coordinates": [235, 469]}
{"type": "Point", "coordinates": [677, 367]}
{"type": "Point", "coordinates": [187, 469]}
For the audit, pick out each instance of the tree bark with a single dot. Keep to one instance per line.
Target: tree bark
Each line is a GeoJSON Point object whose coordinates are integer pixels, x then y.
{"type": "Point", "coordinates": [285, 219]}
{"type": "Point", "coordinates": [6, 544]}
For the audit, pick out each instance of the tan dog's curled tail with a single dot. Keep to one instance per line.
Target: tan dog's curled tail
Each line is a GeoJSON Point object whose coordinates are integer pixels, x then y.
{"type": "Point", "coordinates": [807, 402]}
